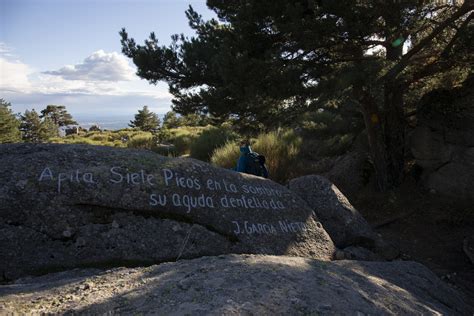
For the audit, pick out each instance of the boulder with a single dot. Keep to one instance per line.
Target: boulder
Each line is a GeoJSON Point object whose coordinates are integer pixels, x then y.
{"type": "Point", "coordinates": [350, 172]}
{"type": "Point", "coordinates": [468, 247]}
{"type": "Point", "coordinates": [453, 180]}
{"type": "Point", "coordinates": [240, 285]}
{"type": "Point", "coordinates": [341, 220]}
{"type": "Point", "coordinates": [360, 253]}
{"type": "Point", "coordinates": [443, 141]}
{"type": "Point", "coordinates": [429, 148]}
{"type": "Point", "coordinates": [67, 206]}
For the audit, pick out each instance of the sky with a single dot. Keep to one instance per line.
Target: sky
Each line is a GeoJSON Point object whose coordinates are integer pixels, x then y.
{"type": "Point", "coordinates": [68, 52]}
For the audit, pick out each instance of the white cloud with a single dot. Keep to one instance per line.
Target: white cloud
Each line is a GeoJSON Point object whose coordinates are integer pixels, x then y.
{"type": "Point", "coordinates": [100, 74]}
{"type": "Point", "coordinates": [100, 66]}
{"type": "Point", "coordinates": [4, 49]}
{"type": "Point", "coordinates": [26, 87]}
{"type": "Point", "coordinates": [14, 75]}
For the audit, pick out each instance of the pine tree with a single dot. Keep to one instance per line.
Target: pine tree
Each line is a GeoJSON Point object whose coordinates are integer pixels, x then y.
{"type": "Point", "coordinates": [145, 120]}
{"type": "Point", "coordinates": [48, 129]}
{"type": "Point", "coordinates": [171, 120]}
{"type": "Point", "coordinates": [9, 124]}
{"type": "Point", "coordinates": [35, 130]}
{"type": "Point", "coordinates": [58, 114]}
{"type": "Point", "coordinates": [264, 61]}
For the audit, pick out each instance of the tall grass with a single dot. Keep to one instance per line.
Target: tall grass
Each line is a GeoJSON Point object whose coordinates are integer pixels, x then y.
{"type": "Point", "coordinates": [226, 156]}
{"type": "Point", "coordinates": [281, 149]}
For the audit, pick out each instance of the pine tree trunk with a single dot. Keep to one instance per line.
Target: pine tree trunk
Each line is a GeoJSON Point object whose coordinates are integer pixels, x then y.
{"type": "Point", "coordinates": [394, 127]}
{"type": "Point", "coordinates": [386, 136]}
{"type": "Point", "coordinates": [376, 139]}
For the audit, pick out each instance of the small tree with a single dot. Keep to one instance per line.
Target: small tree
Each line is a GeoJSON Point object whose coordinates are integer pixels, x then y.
{"type": "Point", "coordinates": [171, 120]}
{"type": "Point", "coordinates": [58, 114]}
{"type": "Point", "coordinates": [145, 120]}
{"type": "Point", "coordinates": [35, 130]}
{"type": "Point", "coordinates": [9, 124]}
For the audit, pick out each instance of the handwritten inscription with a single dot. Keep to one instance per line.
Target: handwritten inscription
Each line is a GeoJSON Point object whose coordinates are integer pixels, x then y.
{"type": "Point", "coordinates": [73, 177]}
{"type": "Point", "coordinates": [131, 177]}
{"type": "Point", "coordinates": [231, 195]}
{"type": "Point", "coordinates": [238, 196]}
{"type": "Point", "coordinates": [248, 228]}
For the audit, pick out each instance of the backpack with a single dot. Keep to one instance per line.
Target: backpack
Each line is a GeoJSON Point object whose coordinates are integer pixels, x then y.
{"type": "Point", "coordinates": [256, 164]}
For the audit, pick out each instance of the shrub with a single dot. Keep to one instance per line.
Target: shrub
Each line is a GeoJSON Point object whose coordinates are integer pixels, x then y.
{"type": "Point", "coordinates": [143, 141]}
{"type": "Point", "coordinates": [99, 137]}
{"type": "Point", "coordinates": [182, 138]}
{"type": "Point", "coordinates": [182, 144]}
{"type": "Point", "coordinates": [210, 139]}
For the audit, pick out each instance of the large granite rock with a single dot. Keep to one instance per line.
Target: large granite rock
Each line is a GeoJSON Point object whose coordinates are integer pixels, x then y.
{"type": "Point", "coordinates": [341, 220]}
{"type": "Point", "coordinates": [66, 206]}
{"type": "Point", "coordinates": [468, 247]}
{"type": "Point", "coordinates": [240, 285]}
{"type": "Point", "coordinates": [443, 141]}
{"type": "Point", "coordinates": [350, 172]}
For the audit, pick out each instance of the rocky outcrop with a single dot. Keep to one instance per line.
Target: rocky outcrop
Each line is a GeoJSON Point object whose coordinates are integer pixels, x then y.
{"type": "Point", "coordinates": [468, 247]}
{"type": "Point", "coordinates": [341, 220]}
{"type": "Point", "coordinates": [443, 142]}
{"type": "Point", "coordinates": [235, 285]}
{"type": "Point", "coordinates": [67, 206]}
{"type": "Point", "coordinates": [350, 172]}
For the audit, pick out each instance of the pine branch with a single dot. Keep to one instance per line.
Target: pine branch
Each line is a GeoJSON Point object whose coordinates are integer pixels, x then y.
{"type": "Point", "coordinates": [405, 60]}
{"type": "Point", "coordinates": [442, 62]}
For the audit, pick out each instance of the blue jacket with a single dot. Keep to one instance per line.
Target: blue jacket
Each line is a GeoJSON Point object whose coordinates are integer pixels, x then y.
{"type": "Point", "coordinates": [243, 159]}
{"type": "Point", "coordinates": [243, 162]}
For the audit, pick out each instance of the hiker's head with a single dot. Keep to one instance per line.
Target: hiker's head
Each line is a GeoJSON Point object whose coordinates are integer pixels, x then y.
{"type": "Point", "coordinates": [244, 143]}
{"type": "Point", "coordinates": [245, 146]}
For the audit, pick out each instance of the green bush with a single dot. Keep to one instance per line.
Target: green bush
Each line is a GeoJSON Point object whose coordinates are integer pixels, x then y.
{"type": "Point", "coordinates": [183, 143]}
{"type": "Point", "coordinates": [281, 149]}
{"type": "Point", "coordinates": [210, 139]}
{"type": "Point", "coordinates": [99, 137]}
{"type": "Point", "coordinates": [182, 138]}
{"type": "Point", "coordinates": [142, 141]}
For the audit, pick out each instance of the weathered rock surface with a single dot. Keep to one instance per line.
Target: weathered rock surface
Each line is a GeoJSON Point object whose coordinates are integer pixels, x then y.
{"type": "Point", "coordinates": [360, 253]}
{"type": "Point", "coordinates": [66, 206]}
{"type": "Point", "coordinates": [443, 142]}
{"type": "Point", "coordinates": [245, 284]}
{"type": "Point", "coordinates": [468, 247]}
{"type": "Point", "coordinates": [341, 220]}
{"type": "Point", "coordinates": [350, 172]}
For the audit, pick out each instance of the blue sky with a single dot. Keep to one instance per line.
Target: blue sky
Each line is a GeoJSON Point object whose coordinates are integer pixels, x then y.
{"type": "Point", "coordinates": [68, 52]}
